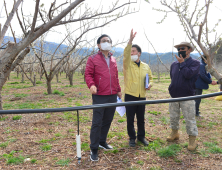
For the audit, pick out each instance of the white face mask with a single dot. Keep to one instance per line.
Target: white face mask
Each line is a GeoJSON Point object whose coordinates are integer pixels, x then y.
{"type": "Point", "coordinates": [134, 57]}
{"type": "Point", "coordinates": [106, 46]}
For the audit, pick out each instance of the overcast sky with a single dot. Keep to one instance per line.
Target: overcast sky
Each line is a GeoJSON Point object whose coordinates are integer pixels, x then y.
{"type": "Point", "coordinates": [161, 35]}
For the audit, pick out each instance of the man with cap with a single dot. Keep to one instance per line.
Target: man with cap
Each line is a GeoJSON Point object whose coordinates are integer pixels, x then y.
{"type": "Point", "coordinates": [183, 74]}
{"type": "Point", "coordinates": [102, 79]}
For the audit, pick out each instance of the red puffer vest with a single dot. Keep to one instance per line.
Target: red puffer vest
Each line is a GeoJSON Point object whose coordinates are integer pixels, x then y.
{"type": "Point", "coordinates": [103, 77]}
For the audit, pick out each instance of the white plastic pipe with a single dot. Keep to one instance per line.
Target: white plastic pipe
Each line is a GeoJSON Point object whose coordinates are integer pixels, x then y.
{"type": "Point", "coordinates": [78, 147]}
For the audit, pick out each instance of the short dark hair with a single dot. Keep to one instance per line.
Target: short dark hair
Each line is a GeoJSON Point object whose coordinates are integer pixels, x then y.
{"type": "Point", "coordinates": [104, 35]}
{"type": "Point", "coordinates": [137, 47]}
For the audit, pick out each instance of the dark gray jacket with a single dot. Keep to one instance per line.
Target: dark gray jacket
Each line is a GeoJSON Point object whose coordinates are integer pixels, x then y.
{"type": "Point", "coordinates": [183, 77]}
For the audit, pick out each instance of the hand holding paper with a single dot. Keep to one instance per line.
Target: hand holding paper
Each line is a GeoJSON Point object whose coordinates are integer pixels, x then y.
{"type": "Point", "coordinates": [121, 109]}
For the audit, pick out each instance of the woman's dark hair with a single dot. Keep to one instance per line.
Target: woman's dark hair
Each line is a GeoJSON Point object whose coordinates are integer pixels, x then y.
{"type": "Point", "coordinates": [137, 47]}
{"type": "Point", "coordinates": [104, 35]}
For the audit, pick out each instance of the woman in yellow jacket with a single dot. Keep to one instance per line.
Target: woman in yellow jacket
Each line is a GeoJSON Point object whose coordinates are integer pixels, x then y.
{"type": "Point", "coordinates": [135, 71]}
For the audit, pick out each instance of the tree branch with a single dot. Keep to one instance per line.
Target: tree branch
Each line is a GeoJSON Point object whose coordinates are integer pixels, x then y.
{"type": "Point", "coordinates": [9, 23]}
{"type": "Point", "coordinates": [9, 19]}
{"type": "Point", "coordinates": [156, 52]}
{"type": "Point", "coordinates": [35, 15]}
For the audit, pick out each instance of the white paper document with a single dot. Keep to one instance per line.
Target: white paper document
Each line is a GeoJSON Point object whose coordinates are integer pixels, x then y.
{"type": "Point", "coordinates": [121, 109]}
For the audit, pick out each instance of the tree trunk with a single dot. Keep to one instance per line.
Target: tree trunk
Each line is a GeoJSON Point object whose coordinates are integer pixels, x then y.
{"type": "Point", "coordinates": [40, 73]}
{"type": "Point", "coordinates": [1, 107]}
{"type": "Point", "coordinates": [49, 88]}
{"type": "Point", "coordinates": [214, 73]}
{"type": "Point", "coordinates": [71, 78]}
{"type": "Point", "coordinates": [34, 83]}
{"type": "Point", "coordinates": [17, 73]}
{"type": "Point", "coordinates": [158, 72]}
{"type": "Point", "coordinates": [57, 77]}
{"type": "Point", "coordinates": [30, 73]}
{"type": "Point", "coordinates": [23, 77]}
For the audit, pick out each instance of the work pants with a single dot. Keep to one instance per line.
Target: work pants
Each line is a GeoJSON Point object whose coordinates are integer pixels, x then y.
{"type": "Point", "coordinates": [188, 110]}
{"type": "Point", "coordinates": [102, 119]}
{"type": "Point", "coordinates": [139, 110]}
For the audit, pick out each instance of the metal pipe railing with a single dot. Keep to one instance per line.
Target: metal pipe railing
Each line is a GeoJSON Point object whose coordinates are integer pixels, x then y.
{"type": "Point", "coordinates": [106, 105]}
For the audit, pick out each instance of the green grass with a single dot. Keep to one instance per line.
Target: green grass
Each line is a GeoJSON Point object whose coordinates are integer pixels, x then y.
{"type": "Point", "coordinates": [38, 82]}
{"type": "Point", "coordinates": [156, 144]}
{"type": "Point", "coordinates": [44, 140]}
{"type": "Point", "coordinates": [209, 144]}
{"type": "Point", "coordinates": [20, 95]}
{"type": "Point", "coordinates": [14, 82]}
{"type": "Point", "coordinates": [7, 106]}
{"type": "Point", "coordinates": [140, 162]}
{"type": "Point", "coordinates": [16, 77]}
{"type": "Point", "coordinates": [17, 117]}
{"type": "Point", "coordinates": [58, 134]}
{"type": "Point", "coordinates": [58, 92]}
{"type": "Point", "coordinates": [33, 161]}
{"type": "Point", "coordinates": [215, 149]}
{"type": "Point", "coordinates": [25, 105]}
{"type": "Point", "coordinates": [46, 147]}
{"type": "Point", "coordinates": [155, 168]}
{"type": "Point", "coordinates": [185, 145]}
{"type": "Point", "coordinates": [3, 118]}
{"type": "Point", "coordinates": [154, 112]}
{"type": "Point", "coordinates": [78, 104]}
{"type": "Point", "coordinates": [3, 145]}
{"type": "Point", "coordinates": [112, 151]}
{"type": "Point", "coordinates": [203, 152]}
{"type": "Point", "coordinates": [165, 120]}
{"type": "Point", "coordinates": [28, 105]}
{"type": "Point", "coordinates": [211, 124]}
{"type": "Point", "coordinates": [121, 120]}
{"type": "Point", "coordinates": [120, 135]}
{"type": "Point", "coordinates": [12, 140]}
{"type": "Point", "coordinates": [11, 159]}
{"type": "Point", "coordinates": [85, 146]}
{"type": "Point", "coordinates": [63, 162]}
{"type": "Point", "coordinates": [73, 117]}
{"type": "Point", "coordinates": [212, 147]}
{"type": "Point", "coordinates": [169, 151]}
{"type": "Point", "coordinates": [47, 116]}
{"type": "Point", "coordinates": [19, 86]}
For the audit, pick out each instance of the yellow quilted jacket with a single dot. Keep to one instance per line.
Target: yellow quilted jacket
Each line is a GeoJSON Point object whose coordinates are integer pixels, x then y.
{"type": "Point", "coordinates": [134, 76]}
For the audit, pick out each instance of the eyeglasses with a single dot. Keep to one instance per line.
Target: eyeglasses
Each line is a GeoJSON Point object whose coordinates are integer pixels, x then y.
{"type": "Point", "coordinates": [180, 48]}
{"type": "Point", "coordinates": [103, 41]}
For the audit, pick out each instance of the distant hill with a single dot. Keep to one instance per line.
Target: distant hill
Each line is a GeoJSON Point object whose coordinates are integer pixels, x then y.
{"type": "Point", "coordinates": [50, 47]}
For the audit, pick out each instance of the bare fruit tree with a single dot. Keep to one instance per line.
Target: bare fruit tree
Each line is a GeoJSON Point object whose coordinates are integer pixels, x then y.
{"type": "Point", "coordinates": [42, 21]}
{"type": "Point", "coordinates": [193, 16]}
